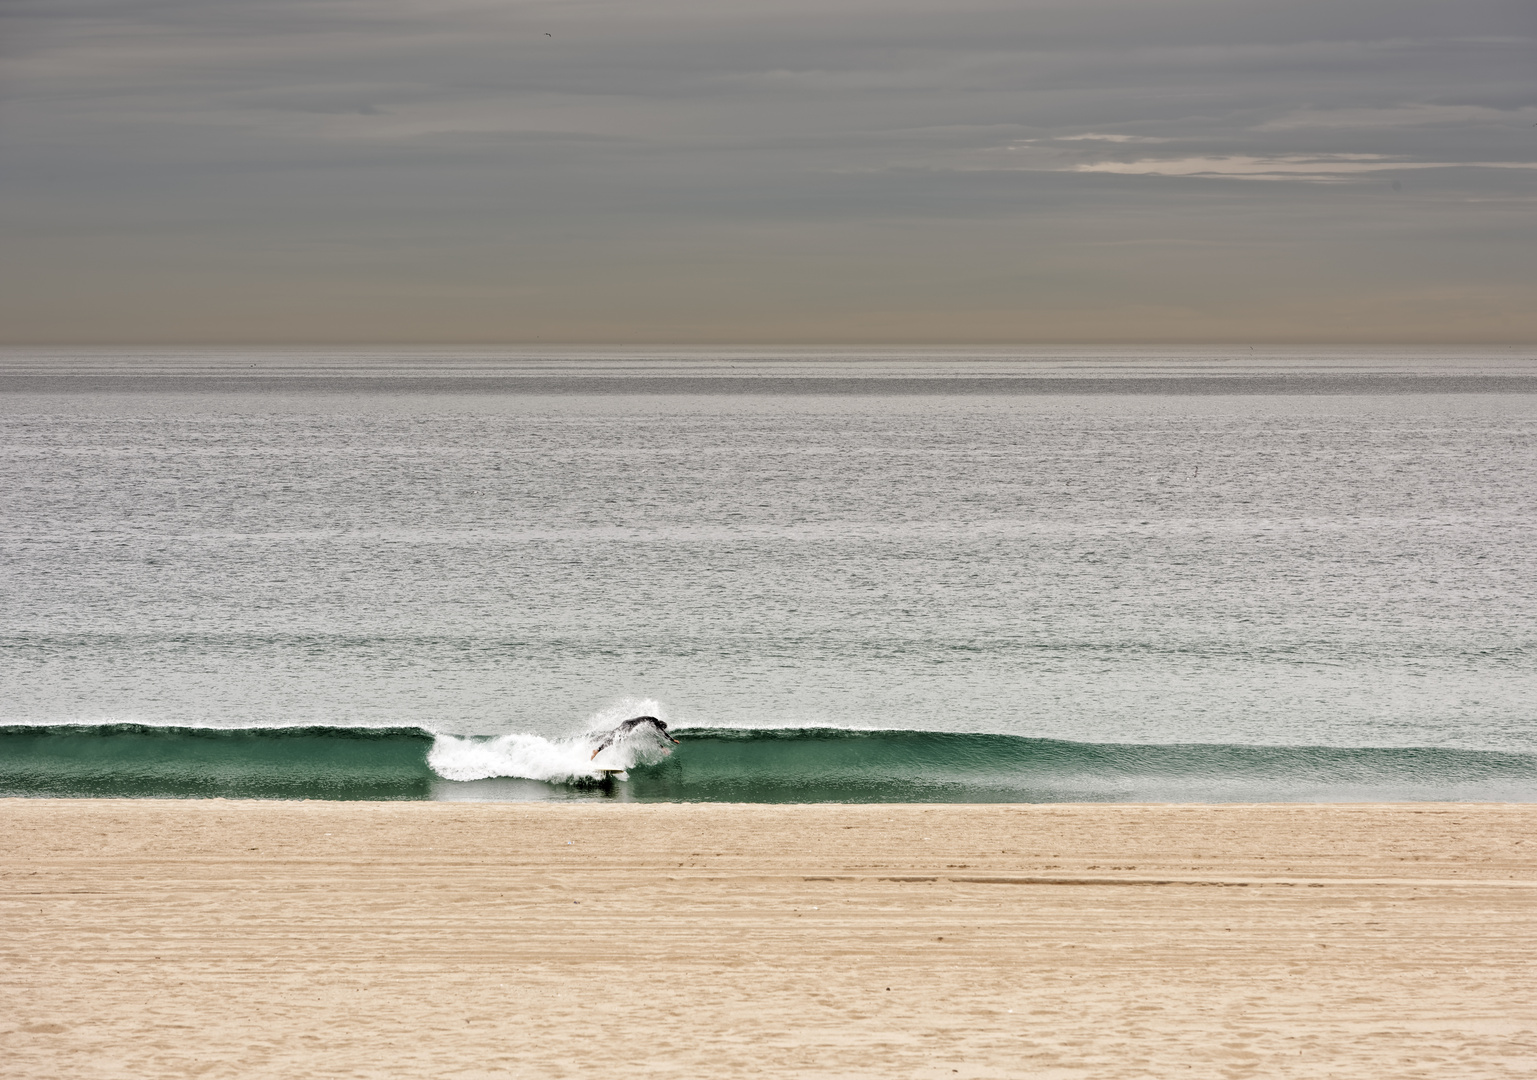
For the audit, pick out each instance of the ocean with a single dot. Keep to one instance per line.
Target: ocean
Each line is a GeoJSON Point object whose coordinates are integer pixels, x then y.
{"type": "Point", "coordinates": [1194, 575]}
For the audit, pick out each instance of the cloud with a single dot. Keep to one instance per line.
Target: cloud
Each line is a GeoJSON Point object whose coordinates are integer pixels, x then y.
{"type": "Point", "coordinates": [367, 169]}
{"type": "Point", "coordinates": [1414, 115]}
{"type": "Point", "coordinates": [1092, 136]}
{"type": "Point", "coordinates": [1285, 167]}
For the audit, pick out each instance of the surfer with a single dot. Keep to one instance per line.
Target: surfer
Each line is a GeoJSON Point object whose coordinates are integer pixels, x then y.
{"type": "Point", "coordinates": [629, 727]}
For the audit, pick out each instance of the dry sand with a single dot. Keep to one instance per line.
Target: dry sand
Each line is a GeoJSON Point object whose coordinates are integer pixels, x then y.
{"type": "Point", "coordinates": [262, 939]}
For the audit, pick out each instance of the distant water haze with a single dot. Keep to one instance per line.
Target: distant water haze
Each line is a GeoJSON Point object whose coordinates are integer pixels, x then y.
{"type": "Point", "coordinates": [1037, 368]}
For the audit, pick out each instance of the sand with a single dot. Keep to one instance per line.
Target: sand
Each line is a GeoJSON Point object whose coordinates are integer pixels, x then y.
{"type": "Point", "coordinates": [265, 939]}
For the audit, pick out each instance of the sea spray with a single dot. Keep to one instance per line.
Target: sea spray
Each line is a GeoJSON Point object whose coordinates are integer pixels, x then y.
{"type": "Point", "coordinates": [533, 757]}
{"type": "Point", "coordinates": [525, 756]}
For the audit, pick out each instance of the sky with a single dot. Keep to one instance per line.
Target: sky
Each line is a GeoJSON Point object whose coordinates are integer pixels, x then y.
{"type": "Point", "coordinates": [775, 171]}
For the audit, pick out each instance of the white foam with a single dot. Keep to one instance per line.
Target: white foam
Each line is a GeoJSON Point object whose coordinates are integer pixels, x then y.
{"type": "Point", "coordinates": [534, 757]}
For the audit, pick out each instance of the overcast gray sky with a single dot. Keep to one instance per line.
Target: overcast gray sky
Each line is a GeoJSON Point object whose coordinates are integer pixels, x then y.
{"type": "Point", "coordinates": [780, 170]}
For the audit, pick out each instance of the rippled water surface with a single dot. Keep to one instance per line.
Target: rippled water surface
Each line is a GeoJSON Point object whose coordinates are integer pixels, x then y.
{"type": "Point", "coordinates": [1315, 568]}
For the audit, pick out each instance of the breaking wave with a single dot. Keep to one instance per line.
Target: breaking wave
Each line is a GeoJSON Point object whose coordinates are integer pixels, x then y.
{"type": "Point", "coordinates": [533, 757]}
{"type": "Point", "coordinates": [710, 764]}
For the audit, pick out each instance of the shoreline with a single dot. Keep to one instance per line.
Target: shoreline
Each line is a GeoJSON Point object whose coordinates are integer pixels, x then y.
{"type": "Point", "coordinates": [264, 938]}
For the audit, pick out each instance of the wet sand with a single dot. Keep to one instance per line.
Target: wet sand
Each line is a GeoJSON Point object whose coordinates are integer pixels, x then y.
{"type": "Point", "coordinates": [266, 939]}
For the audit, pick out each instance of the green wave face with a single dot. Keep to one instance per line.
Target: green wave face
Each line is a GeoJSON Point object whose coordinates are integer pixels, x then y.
{"type": "Point", "coordinates": [914, 766]}
{"type": "Point", "coordinates": [134, 761]}
{"type": "Point", "coordinates": [813, 765]}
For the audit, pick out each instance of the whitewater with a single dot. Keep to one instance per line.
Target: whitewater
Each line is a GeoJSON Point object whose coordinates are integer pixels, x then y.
{"type": "Point", "coordinates": [585, 757]}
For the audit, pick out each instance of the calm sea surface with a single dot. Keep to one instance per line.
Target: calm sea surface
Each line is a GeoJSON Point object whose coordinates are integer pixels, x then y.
{"type": "Point", "coordinates": [1299, 550]}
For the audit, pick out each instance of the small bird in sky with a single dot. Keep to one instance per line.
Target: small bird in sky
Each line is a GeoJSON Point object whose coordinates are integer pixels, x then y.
{"type": "Point", "coordinates": [548, 34]}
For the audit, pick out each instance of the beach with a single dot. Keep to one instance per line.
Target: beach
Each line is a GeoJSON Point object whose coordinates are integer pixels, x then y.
{"type": "Point", "coordinates": [220, 938]}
